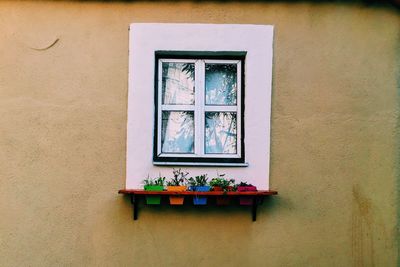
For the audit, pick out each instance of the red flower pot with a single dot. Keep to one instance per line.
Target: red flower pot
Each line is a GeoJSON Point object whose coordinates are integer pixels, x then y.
{"type": "Point", "coordinates": [222, 200]}
{"type": "Point", "coordinates": [247, 200]}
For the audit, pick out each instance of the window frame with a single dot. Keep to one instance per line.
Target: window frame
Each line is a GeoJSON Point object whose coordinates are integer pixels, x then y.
{"type": "Point", "coordinates": [190, 159]}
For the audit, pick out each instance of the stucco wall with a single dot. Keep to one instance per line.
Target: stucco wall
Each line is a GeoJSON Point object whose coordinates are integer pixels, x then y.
{"type": "Point", "coordinates": [334, 153]}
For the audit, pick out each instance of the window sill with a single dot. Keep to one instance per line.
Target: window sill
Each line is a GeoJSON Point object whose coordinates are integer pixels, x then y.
{"type": "Point", "coordinates": [195, 164]}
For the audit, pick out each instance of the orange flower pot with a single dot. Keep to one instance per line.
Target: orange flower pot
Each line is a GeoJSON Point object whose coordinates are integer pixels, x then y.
{"type": "Point", "coordinates": [175, 200]}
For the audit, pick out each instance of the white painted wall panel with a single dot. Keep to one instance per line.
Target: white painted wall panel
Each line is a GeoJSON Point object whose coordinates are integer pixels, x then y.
{"type": "Point", "coordinates": [145, 39]}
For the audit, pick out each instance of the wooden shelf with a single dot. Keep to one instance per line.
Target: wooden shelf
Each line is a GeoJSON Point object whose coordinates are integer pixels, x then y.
{"type": "Point", "coordinates": [257, 196]}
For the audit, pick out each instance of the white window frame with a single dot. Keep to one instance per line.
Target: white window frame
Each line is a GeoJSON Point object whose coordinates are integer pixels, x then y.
{"type": "Point", "coordinates": [199, 108]}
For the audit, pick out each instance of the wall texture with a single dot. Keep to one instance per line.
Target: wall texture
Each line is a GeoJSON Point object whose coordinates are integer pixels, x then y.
{"type": "Point", "coordinates": [334, 155]}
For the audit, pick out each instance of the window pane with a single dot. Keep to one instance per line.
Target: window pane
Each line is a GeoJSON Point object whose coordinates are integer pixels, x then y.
{"type": "Point", "coordinates": [177, 83]}
{"type": "Point", "coordinates": [220, 133]}
{"type": "Point", "coordinates": [177, 132]}
{"type": "Point", "coordinates": [221, 84]}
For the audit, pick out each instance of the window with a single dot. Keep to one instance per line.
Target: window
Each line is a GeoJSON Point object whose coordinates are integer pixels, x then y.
{"type": "Point", "coordinates": [199, 109]}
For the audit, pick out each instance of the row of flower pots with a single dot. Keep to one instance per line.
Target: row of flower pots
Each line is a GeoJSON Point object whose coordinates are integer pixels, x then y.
{"type": "Point", "coordinates": [180, 183]}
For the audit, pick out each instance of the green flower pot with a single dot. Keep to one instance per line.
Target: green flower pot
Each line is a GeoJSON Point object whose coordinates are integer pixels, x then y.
{"type": "Point", "coordinates": [153, 200]}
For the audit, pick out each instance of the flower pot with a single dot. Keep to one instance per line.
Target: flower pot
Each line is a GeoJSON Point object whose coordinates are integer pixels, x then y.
{"type": "Point", "coordinates": [176, 200]}
{"type": "Point", "coordinates": [153, 200]}
{"type": "Point", "coordinates": [200, 200]}
{"type": "Point", "coordinates": [247, 200]}
{"type": "Point", "coordinates": [222, 200]}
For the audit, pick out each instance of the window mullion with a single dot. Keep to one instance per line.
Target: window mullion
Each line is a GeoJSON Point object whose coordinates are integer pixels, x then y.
{"type": "Point", "coordinates": [197, 112]}
{"type": "Point", "coordinates": [200, 107]}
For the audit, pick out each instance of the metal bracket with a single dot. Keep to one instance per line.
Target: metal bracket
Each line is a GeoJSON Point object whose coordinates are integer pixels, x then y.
{"type": "Point", "coordinates": [135, 202]}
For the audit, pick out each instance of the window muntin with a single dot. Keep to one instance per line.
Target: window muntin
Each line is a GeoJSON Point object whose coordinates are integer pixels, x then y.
{"type": "Point", "coordinates": [199, 110]}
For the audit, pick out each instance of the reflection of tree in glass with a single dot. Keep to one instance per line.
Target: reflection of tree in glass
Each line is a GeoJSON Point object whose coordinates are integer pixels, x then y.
{"type": "Point", "coordinates": [177, 132]}
{"type": "Point", "coordinates": [177, 83]}
{"type": "Point", "coordinates": [221, 83]}
{"type": "Point", "coordinates": [188, 68]}
{"type": "Point", "coordinates": [221, 131]}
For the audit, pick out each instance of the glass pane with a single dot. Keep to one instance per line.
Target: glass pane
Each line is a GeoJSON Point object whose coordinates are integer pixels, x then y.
{"type": "Point", "coordinates": [177, 83]}
{"type": "Point", "coordinates": [220, 133]}
{"type": "Point", "coordinates": [177, 134]}
{"type": "Point", "coordinates": [221, 84]}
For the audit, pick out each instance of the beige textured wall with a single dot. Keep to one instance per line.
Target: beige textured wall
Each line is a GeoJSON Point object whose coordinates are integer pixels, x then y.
{"type": "Point", "coordinates": [335, 158]}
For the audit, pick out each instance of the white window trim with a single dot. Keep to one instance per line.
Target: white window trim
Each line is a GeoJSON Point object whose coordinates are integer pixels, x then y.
{"type": "Point", "coordinates": [199, 109]}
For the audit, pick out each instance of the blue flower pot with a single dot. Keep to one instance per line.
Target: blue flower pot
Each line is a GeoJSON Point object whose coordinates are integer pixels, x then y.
{"type": "Point", "coordinates": [200, 200]}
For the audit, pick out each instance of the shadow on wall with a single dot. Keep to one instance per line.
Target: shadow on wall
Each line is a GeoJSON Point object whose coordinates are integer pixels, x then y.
{"type": "Point", "coordinates": [265, 210]}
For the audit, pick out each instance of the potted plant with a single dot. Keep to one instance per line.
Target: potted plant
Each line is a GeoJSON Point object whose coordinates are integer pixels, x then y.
{"type": "Point", "coordinates": [154, 184]}
{"type": "Point", "coordinates": [199, 184]}
{"type": "Point", "coordinates": [176, 184]}
{"type": "Point", "coordinates": [221, 184]}
{"type": "Point", "coordinates": [245, 187]}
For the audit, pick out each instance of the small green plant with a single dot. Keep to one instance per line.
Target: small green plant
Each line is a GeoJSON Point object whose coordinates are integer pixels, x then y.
{"type": "Point", "coordinates": [148, 181]}
{"type": "Point", "coordinates": [178, 179]}
{"type": "Point", "coordinates": [200, 180]}
{"type": "Point", "coordinates": [154, 181]}
{"type": "Point", "coordinates": [225, 184]}
{"type": "Point", "coordinates": [244, 184]}
{"type": "Point", "coordinates": [154, 184]}
{"type": "Point", "coordinates": [160, 181]}
{"type": "Point", "coordinates": [241, 184]}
